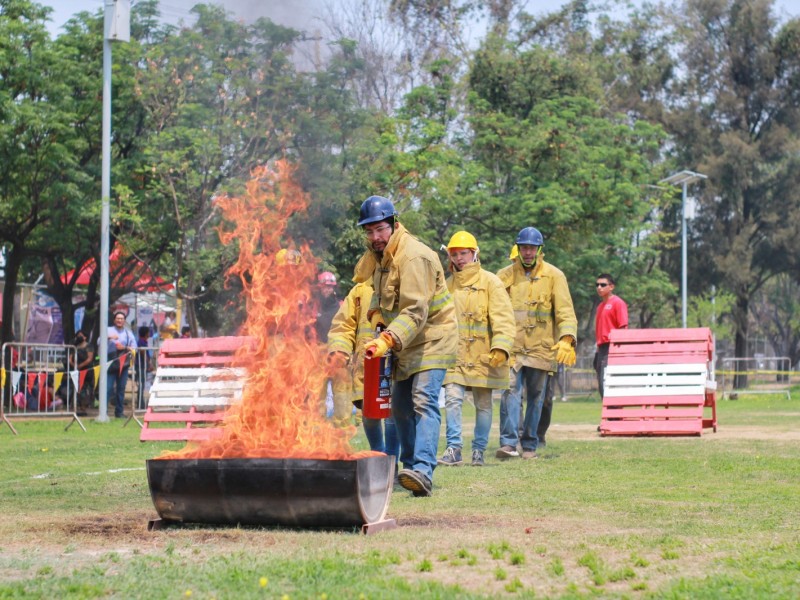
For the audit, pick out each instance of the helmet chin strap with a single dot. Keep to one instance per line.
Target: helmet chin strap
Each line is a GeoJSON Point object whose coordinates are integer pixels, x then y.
{"type": "Point", "coordinates": [535, 259]}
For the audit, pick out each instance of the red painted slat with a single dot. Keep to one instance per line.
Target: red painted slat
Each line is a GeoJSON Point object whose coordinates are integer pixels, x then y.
{"type": "Point", "coordinates": [203, 345]}
{"type": "Point", "coordinates": [189, 417]}
{"type": "Point", "coordinates": [652, 413]}
{"type": "Point", "coordinates": [684, 400]}
{"type": "Point", "coordinates": [692, 427]}
{"type": "Point", "coordinates": [668, 335]}
{"type": "Point", "coordinates": [195, 361]}
{"type": "Point", "coordinates": [658, 359]}
{"type": "Point", "coordinates": [196, 434]}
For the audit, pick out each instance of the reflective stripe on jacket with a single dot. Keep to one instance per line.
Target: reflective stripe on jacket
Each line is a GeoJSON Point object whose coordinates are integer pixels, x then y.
{"type": "Point", "coordinates": [485, 322]}
{"type": "Point", "coordinates": [543, 311]}
{"type": "Point", "coordinates": [350, 331]}
{"type": "Point", "coordinates": [410, 291]}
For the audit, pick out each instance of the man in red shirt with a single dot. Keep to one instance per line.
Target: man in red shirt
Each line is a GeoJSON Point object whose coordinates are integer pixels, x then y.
{"type": "Point", "coordinates": [612, 313]}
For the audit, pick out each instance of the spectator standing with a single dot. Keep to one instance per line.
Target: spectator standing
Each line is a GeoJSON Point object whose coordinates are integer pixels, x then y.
{"type": "Point", "coordinates": [412, 300]}
{"type": "Point", "coordinates": [169, 328]}
{"type": "Point", "coordinates": [350, 331]}
{"type": "Point", "coordinates": [120, 344]}
{"type": "Point", "coordinates": [84, 354]}
{"type": "Point", "coordinates": [546, 335]}
{"type": "Point", "coordinates": [612, 313]}
{"type": "Point", "coordinates": [485, 337]}
{"type": "Point", "coordinates": [328, 304]}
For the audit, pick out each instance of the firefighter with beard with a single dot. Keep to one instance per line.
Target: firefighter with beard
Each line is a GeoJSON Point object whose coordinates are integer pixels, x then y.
{"type": "Point", "coordinates": [486, 333]}
{"type": "Point", "coordinates": [413, 306]}
{"type": "Point", "coordinates": [546, 335]}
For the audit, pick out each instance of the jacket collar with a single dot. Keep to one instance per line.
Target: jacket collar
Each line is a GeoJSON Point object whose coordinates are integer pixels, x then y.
{"type": "Point", "coordinates": [469, 275]}
{"type": "Point", "coordinates": [397, 236]}
{"type": "Point", "coordinates": [536, 271]}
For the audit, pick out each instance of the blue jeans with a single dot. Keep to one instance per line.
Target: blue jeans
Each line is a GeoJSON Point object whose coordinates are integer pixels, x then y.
{"type": "Point", "coordinates": [453, 403]}
{"type": "Point", "coordinates": [415, 408]}
{"type": "Point", "coordinates": [535, 380]}
{"type": "Point", "coordinates": [380, 440]}
{"type": "Point", "coordinates": [115, 387]}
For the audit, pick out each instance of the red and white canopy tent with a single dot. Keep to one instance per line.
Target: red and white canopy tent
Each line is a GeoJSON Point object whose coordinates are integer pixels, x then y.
{"type": "Point", "coordinates": [138, 291]}
{"type": "Point", "coordinates": [127, 273]}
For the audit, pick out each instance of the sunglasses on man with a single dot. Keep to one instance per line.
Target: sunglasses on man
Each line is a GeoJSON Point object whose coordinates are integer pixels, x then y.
{"type": "Point", "coordinates": [598, 284]}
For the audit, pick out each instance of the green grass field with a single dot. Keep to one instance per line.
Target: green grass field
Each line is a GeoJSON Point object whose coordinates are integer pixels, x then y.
{"type": "Point", "coordinates": [710, 517]}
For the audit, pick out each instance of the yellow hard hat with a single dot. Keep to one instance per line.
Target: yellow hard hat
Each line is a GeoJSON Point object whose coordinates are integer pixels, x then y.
{"type": "Point", "coordinates": [284, 256]}
{"type": "Point", "coordinates": [462, 239]}
{"type": "Point", "coordinates": [514, 252]}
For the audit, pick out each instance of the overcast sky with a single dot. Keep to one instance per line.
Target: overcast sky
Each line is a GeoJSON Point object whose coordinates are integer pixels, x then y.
{"type": "Point", "coordinates": [299, 14]}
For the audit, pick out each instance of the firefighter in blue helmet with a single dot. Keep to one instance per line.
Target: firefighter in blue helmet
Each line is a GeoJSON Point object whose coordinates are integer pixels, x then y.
{"type": "Point", "coordinates": [546, 335]}
{"type": "Point", "coordinates": [412, 304]}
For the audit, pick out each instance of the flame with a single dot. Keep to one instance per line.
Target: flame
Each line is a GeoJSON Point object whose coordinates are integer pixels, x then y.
{"type": "Point", "coordinates": [281, 411]}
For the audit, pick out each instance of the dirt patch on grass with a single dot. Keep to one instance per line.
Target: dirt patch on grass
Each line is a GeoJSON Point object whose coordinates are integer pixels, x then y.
{"type": "Point", "coordinates": [105, 527]}
{"type": "Point", "coordinates": [445, 521]}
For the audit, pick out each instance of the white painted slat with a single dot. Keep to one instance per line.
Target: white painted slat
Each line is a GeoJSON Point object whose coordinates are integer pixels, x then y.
{"type": "Point", "coordinates": [188, 402]}
{"type": "Point", "coordinates": [659, 380]}
{"type": "Point", "coordinates": [168, 386]}
{"type": "Point", "coordinates": [199, 371]}
{"type": "Point", "coordinates": [201, 387]}
{"type": "Point", "coordinates": [655, 368]}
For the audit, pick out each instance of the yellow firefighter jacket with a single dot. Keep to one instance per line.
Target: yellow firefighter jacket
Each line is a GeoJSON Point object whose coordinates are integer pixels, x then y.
{"type": "Point", "coordinates": [350, 331]}
{"type": "Point", "coordinates": [485, 322]}
{"type": "Point", "coordinates": [543, 312]}
{"type": "Point", "coordinates": [410, 291]}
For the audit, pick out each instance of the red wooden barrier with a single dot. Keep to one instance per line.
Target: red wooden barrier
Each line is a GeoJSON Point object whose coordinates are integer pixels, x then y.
{"type": "Point", "coordinates": [193, 386]}
{"type": "Point", "coordinates": [659, 382]}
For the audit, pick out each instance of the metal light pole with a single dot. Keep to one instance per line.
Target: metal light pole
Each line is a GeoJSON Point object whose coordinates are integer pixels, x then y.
{"type": "Point", "coordinates": [683, 178]}
{"type": "Point", "coordinates": [116, 27]}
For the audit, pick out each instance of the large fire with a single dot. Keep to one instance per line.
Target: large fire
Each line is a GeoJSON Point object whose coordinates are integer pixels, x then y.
{"type": "Point", "coordinates": [281, 413]}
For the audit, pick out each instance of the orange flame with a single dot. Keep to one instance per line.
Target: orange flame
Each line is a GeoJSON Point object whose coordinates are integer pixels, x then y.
{"type": "Point", "coordinates": [281, 411]}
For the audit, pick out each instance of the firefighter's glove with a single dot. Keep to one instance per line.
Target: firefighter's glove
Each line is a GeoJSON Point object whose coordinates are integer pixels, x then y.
{"type": "Point", "coordinates": [376, 319]}
{"type": "Point", "coordinates": [497, 358]}
{"type": "Point", "coordinates": [565, 351]}
{"type": "Point", "coordinates": [379, 346]}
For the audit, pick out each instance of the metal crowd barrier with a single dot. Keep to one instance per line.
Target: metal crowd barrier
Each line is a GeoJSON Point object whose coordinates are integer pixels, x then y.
{"type": "Point", "coordinates": [580, 379]}
{"type": "Point", "coordinates": [39, 380]}
{"type": "Point", "coordinates": [141, 380]}
{"type": "Point", "coordinates": [768, 375]}
{"type": "Point", "coordinates": [577, 381]}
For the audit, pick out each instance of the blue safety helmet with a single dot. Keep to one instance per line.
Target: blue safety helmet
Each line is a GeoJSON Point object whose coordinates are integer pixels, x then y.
{"type": "Point", "coordinates": [530, 236]}
{"type": "Point", "coordinates": [375, 209]}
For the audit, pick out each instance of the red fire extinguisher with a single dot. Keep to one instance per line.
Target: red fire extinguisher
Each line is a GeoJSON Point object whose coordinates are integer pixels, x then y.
{"type": "Point", "coordinates": [378, 386]}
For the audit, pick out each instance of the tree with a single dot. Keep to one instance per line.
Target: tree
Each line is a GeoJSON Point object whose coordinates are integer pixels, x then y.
{"type": "Point", "coordinates": [556, 160]}
{"type": "Point", "coordinates": [734, 111]}
{"type": "Point", "coordinates": [40, 175]}
{"type": "Point", "coordinates": [220, 98]}
{"type": "Point", "coordinates": [776, 314]}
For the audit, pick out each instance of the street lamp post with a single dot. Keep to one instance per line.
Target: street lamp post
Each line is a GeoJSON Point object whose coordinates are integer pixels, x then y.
{"type": "Point", "coordinates": [683, 178]}
{"type": "Point", "coordinates": [117, 26]}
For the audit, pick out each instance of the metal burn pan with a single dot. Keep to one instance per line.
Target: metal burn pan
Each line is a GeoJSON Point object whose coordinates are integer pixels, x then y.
{"type": "Point", "coordinates": [268, 491]}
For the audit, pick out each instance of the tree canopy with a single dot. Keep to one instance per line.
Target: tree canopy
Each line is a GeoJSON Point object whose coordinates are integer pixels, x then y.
{"type": "Point", "coordinates": [566, 122]}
